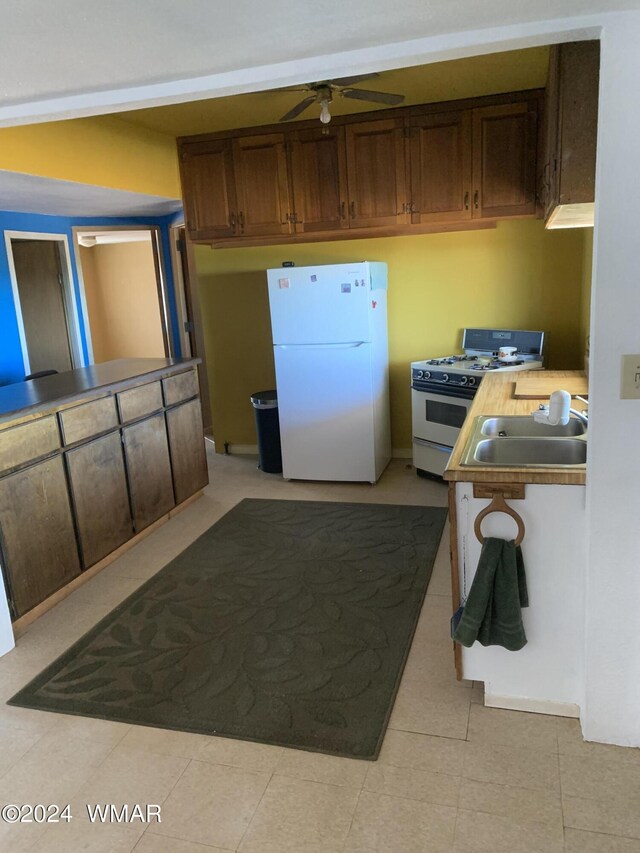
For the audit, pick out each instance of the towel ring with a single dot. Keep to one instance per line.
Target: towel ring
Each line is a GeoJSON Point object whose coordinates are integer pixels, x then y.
{"type": "Point", "coordinates": [498, 504]}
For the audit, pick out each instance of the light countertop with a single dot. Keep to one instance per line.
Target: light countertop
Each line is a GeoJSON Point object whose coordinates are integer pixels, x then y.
{"type": "Point", "coordinates": [496, 397]}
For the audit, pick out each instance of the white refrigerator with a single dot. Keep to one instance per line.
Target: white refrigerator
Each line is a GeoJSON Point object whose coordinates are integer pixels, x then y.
{"type": "Point", "coordinates": [329, 326]}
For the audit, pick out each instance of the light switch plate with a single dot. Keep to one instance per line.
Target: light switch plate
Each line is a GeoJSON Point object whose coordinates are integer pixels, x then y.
{"type": "Point", "coordinates": [630, 377]}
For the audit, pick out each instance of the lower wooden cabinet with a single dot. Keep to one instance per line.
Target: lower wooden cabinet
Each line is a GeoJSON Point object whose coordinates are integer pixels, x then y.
{"type": "Point", "coordinates": [148, 469]}
{"type": "Point", "coordinates": [75, 484]}
{"type": "Point", "coordinates": [100, 498]}
{"type": "Point", "coordinates": [186, 444]}
{"type": "Point", "coordinates": [39, 550]}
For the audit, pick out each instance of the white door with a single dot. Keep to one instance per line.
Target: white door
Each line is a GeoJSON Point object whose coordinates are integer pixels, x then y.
{"type": "Point", "coordinates": [326, 412]}
{"type": "Point", "coordinates": [320, 305]}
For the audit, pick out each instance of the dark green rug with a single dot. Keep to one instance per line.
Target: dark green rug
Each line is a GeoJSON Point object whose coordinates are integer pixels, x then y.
{"type": "Point", "coordinates": [287, 622]}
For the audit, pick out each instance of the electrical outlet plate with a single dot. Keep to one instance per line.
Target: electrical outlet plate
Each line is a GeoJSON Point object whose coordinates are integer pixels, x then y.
{"type": "Point", "coordinates": [630, 377]}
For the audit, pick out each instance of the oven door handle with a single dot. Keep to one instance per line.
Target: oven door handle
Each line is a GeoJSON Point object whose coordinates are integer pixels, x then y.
{"type": "Point", "coordinates": [443, 448]}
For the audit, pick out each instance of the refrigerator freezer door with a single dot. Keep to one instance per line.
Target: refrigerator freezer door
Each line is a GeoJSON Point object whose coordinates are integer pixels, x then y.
{"type": "Point", "coordinates": [325, 304]}
{"type": "Point", "coordinates": [325, 407]}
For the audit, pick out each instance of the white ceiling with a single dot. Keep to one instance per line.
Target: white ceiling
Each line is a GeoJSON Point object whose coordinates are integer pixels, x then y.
{"type": "Point", "coordinates": [32, 194]}
{"type": "Point", "coordinates": [101, 53]}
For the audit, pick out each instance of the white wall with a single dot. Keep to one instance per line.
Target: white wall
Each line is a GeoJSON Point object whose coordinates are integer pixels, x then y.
{"type": "Point", "coordinates": [612, 706]}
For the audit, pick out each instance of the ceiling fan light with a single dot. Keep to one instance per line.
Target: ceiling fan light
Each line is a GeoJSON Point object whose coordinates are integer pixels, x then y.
{"type": "Point", "coordinates": [325, 115]}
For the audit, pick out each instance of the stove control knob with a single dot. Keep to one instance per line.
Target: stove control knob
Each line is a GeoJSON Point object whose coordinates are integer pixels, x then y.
{"type": "Point", "coordinates": [472, 381]}
{"type": "Point", "coordinates": [464, 380]}
{"type": "Point", "coordinates": [427, 374]}
{"type": "Point", "coordinates": [445, 377]}
{"type": "Point", "coordinates": [418, 374]}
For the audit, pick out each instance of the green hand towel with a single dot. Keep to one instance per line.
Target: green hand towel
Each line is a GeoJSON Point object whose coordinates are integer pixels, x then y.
{"type": "Point", "coordinates": [492, 614]}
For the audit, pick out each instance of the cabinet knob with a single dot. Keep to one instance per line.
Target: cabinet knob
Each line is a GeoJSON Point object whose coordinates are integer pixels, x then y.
{"type": "Point", "coordinates": [341, 210]}
{"type": "Point", "coordinates": [241, 220]}
{"type": "Point", "coordinates": [352, 210]}
{"type": "Point", "coordinates": [232, 221]}
{"type": "Point", "coordinates": [476, 199]}
{"type": "Point", "coordinates": [466, 200]}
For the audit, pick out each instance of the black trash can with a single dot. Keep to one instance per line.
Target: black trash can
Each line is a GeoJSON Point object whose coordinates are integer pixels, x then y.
{"type": "Point", "coordinates": [265, 407]}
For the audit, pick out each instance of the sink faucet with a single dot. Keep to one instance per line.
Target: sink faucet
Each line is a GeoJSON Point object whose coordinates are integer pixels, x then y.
{"type": "Point", "coordinates": [559, 410]}
{"type": "Point", "coordinates": [582, 416]}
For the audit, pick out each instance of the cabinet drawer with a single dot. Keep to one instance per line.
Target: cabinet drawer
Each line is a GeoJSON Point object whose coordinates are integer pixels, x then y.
{"type": "Point", "coordinates": [21, 444]}
{"type": "Point", "coordinates": [138, 402]}
{"type": "Point", "coordinates": [180, 387]}
{"type": "Point", "coordinates": [88, 419]}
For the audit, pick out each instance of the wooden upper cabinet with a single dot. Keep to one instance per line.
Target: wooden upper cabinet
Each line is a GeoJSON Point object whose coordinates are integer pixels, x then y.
{"type": "Point", "coordinates": [504, 160]}
{"type": "Point", "coordinates": [262, 185]}
{"type": "Point", "coordinates": [376, 174]}
{"type": "Point", "coordinates": [440, 149]}
{"type": "Point", "coordinates": [319, 180]}
{"type": "Point", "coordinates": [568, 164]}
{"type": "Point", "coordinates": [209, 189]}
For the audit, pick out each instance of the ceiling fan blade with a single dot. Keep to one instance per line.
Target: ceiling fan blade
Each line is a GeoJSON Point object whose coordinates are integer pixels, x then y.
{"type": "Point", "coordinates": [357, 78]}
{"type": "Point", "coordinates": [299, 108]}
{"type": "Point", "coordinates": [377, 97]}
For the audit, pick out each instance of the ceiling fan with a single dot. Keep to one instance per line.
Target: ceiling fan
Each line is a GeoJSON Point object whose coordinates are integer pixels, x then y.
{"type": "Point", "coordinates": [322, 93]}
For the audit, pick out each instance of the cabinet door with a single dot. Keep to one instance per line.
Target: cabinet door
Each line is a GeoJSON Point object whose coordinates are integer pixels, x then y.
{"type": "Point", "coordinates": [262, 184]}
{"type": "Point", "coordinates": [441, 167]}
{"type": "Point", "coordinates": [146, 452]}
{"type": "Point", "coordinates": [39, 550]}
{"type": "Point", "coordinates": [208, 188]}
{"type": "Point", "coordinates": [100, 497]}
{"type": "Point", "coordinates": [319, 174]}
{"type": "Point", "coordinates": [548, 174]}
{"type": "Point", "coordinates": [186, 443]}
{"type": "Point", "coordinates": [376, 174]}
{"type": "Point", "coordinates": [504, 161]}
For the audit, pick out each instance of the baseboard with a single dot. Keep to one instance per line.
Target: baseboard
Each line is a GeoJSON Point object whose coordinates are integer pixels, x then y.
{"type": "Point", "coordinates": [534, 706]}
{"type": "Point", "coordinates": [243, 449]}
{"type": "Point", "coordinates": [401, 453]}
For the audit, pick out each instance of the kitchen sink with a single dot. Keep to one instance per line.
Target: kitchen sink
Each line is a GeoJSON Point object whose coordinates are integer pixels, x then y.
{"type": "Point", "coordinates": [517, 426]}
{"type": "Point", "coordinates": [521, 442]}
{"type": "Point", "coordinates": [531, 451]}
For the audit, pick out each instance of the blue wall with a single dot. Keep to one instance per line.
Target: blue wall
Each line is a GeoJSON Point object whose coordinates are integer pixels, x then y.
{"type": "Point", "coordinates": [11, 365]}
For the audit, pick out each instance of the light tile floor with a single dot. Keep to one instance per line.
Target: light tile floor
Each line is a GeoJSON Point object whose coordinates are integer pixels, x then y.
{"type": "Point", "coordinates": [453, 776]}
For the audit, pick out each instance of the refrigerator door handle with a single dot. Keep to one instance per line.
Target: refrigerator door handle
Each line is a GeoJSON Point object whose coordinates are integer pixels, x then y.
{"type": "Point", "coordinates": [350, 345]}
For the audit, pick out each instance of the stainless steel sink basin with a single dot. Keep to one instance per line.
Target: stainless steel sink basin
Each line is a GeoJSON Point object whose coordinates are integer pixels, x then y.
{"type": "Point", "coordinates": [520, 442]}
{"type": "Point", "coordinates": [515, 426]}
{"type": "Point", "coordinates": [531, 451]}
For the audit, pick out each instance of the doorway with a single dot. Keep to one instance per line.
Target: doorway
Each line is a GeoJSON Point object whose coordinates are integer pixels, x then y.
{"type": "Point", "coordinates": [124, 289]}
{"type": "Point", "coordinates": [40, 270]}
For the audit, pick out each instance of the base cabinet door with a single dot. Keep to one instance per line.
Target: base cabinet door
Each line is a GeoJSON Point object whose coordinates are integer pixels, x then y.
{"type": "Point", "coordinates": [39, 550]}
{"type": "Point", "coordinates": [146, 451]}
{"type": "Point", "coordinates": [186, 444]}
{"type": "Point", "coordinates": [100, 498]}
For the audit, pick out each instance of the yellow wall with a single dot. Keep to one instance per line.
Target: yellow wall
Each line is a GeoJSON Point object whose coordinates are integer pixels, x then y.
{"type": "Point", "coordinates": [122, 301]}
{"type": "Point", "coordinates": [103, 151]}
{"type": "Point", "coordinates": [515, 276]}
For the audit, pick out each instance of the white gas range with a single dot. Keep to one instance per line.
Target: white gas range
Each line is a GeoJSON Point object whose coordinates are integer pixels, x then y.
{"type": "Point", "coordinates": [442, 389]}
